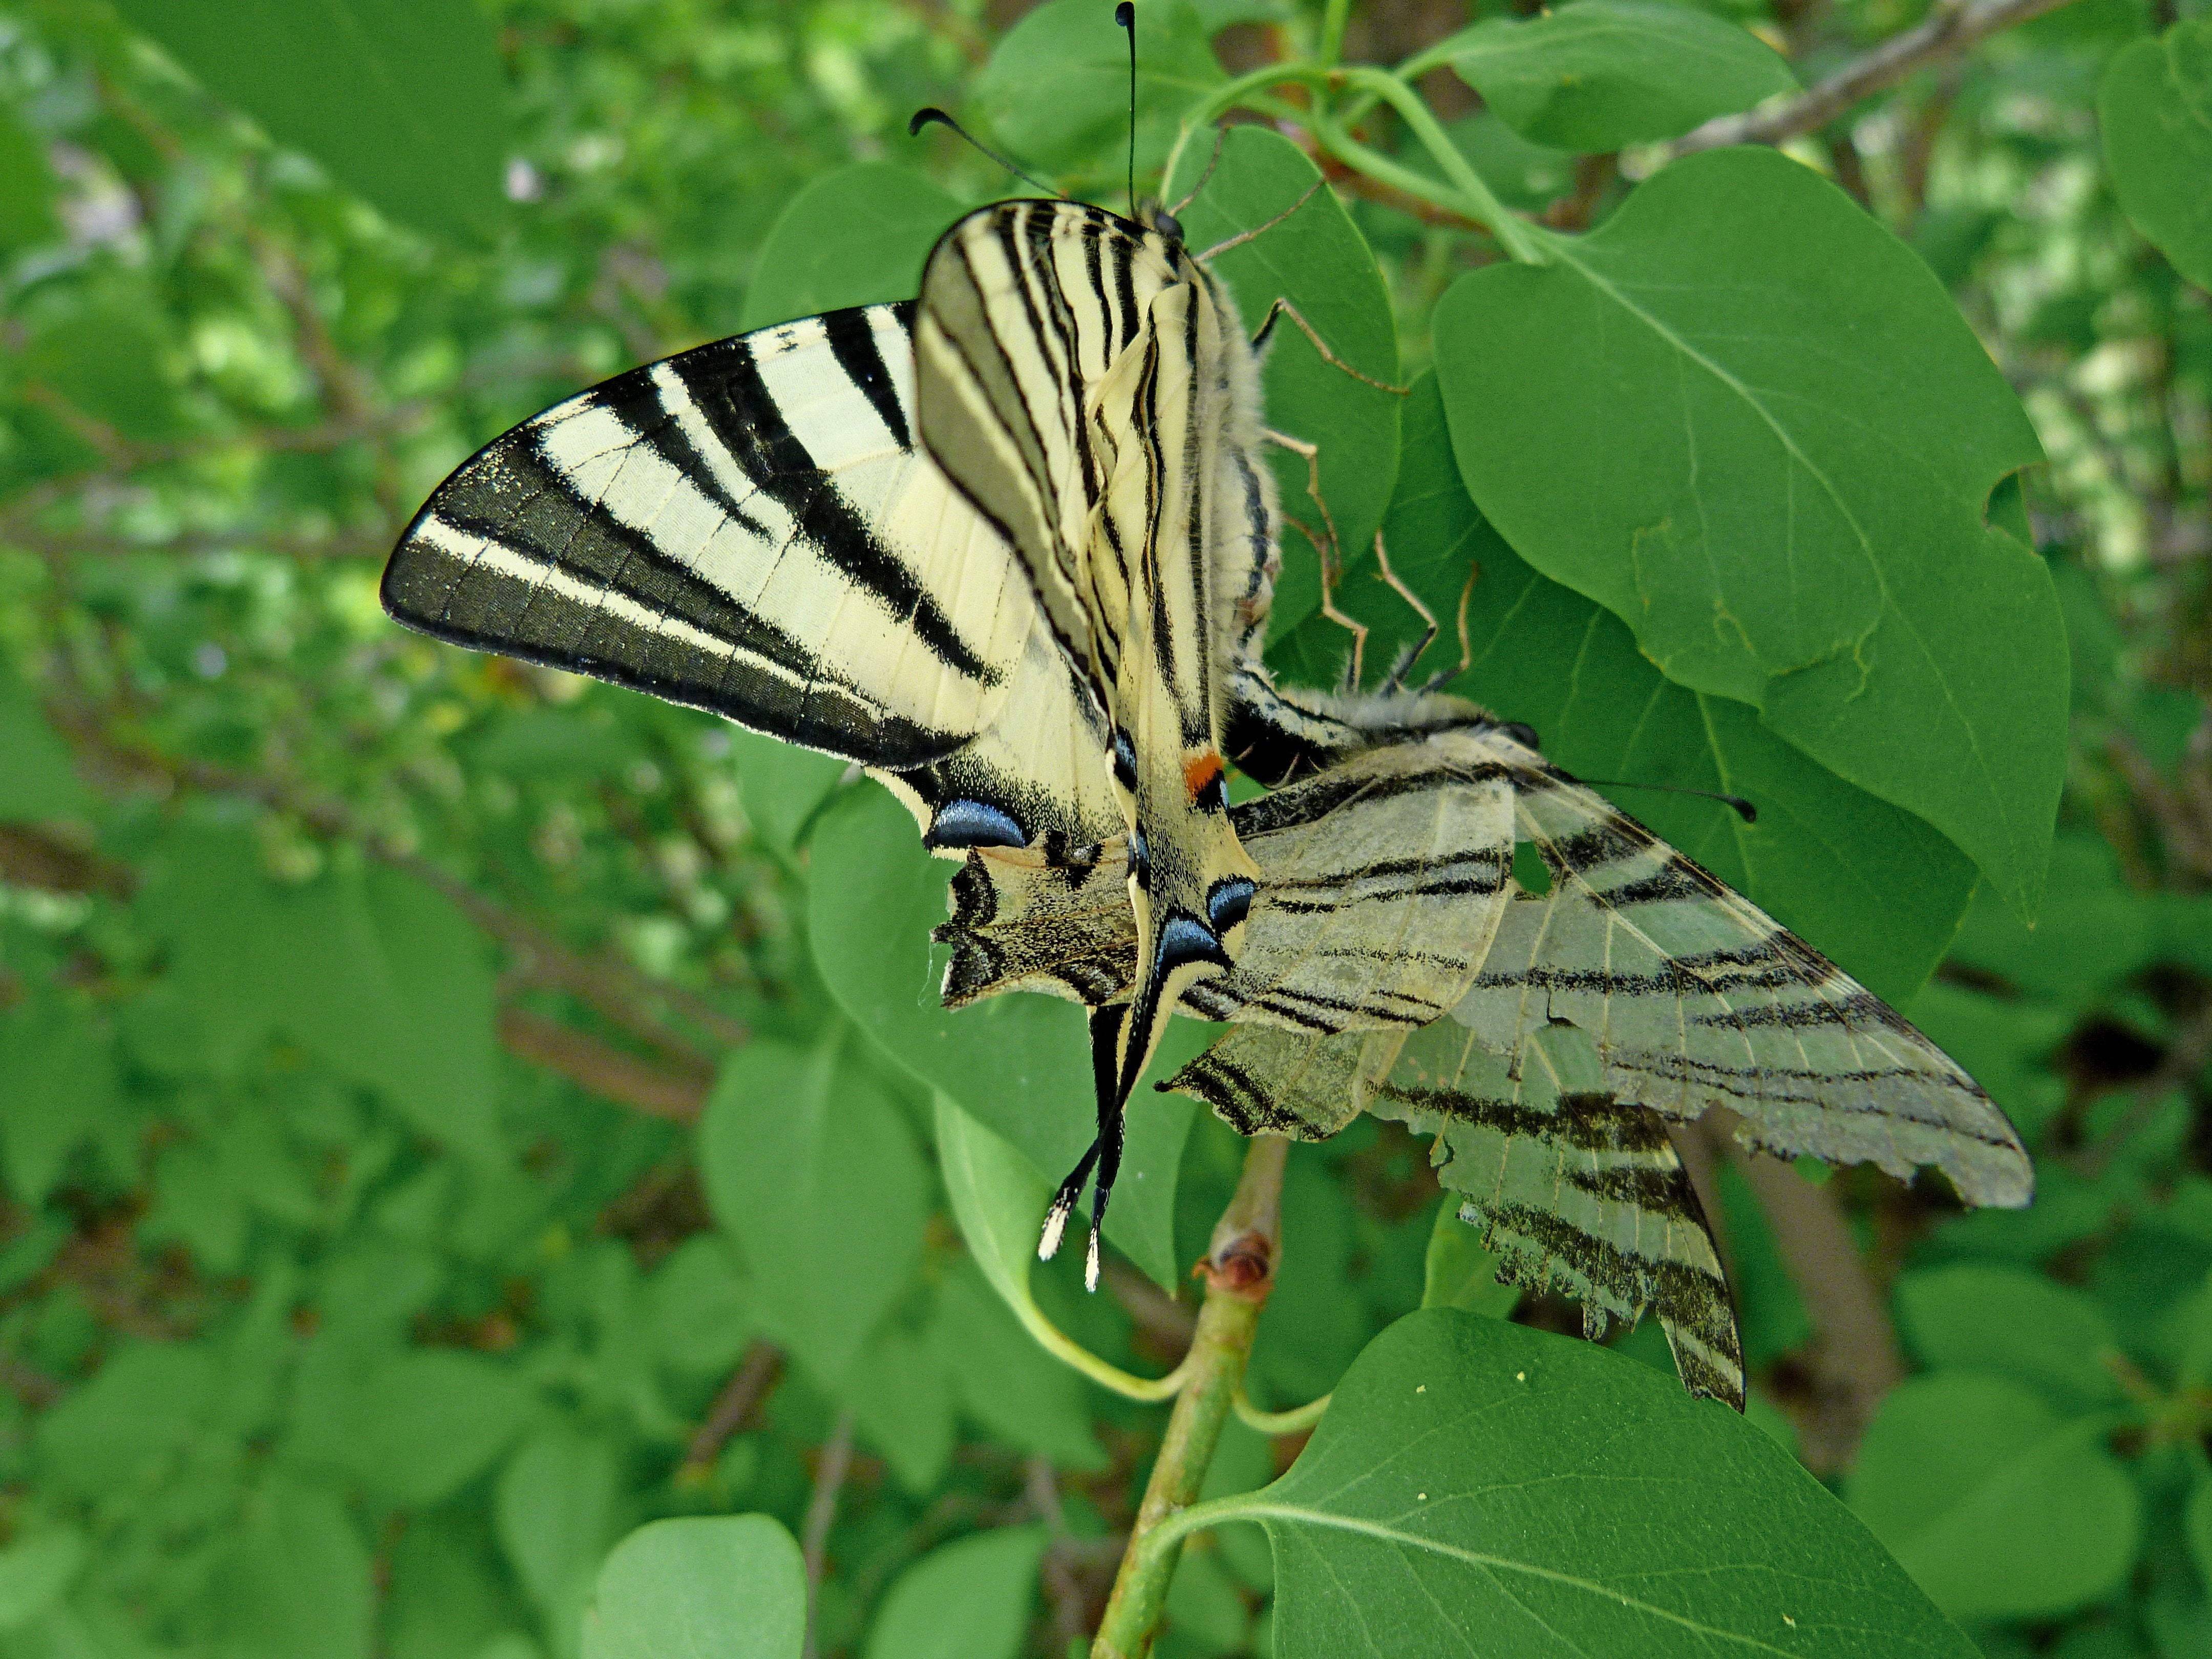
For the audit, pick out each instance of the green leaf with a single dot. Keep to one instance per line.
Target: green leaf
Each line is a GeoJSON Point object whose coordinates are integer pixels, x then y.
{"type": "Point", "coordinates": [109, 359]}
{"type": "Point", "coordinates": [1494, 1490]}
{"type": "Point", "coordinates": [1601, 75]}
{"type": "Point", "coordinates": [1459, 1273]}
{"type": "Point", "coordinates": [1746, 420]}
{"type": "Point", "coordinates": [1056, 88]}
{"type": "Point", "coordinates": [902, 1396]}
{"type": "Point", "coordinates": [716, 1587]}
{"type": "Point", "coordinates": [1950, 1465]}
{"type": "Point", "coordinates": [2197, 1526]}
{"type": "Point", "coordinates": [781, 785]}
{"type": "Point", "coordinates": [299, 1585]}
{"type": "Point", "coordinates": [554, 1510]}
{"type": "Point", "coordinates": [36, 779]}
{"type": "Point", "coordinates": [1318, 260]}
{"type": "Point", "coordinates": [1009, 1384]}
{"type": "Point", "coordinates": [420, 1427]}
{"type": "Point", "coordinates": [2093, 930]}
{"type": "Point", "coordinates": [377, 975]}
{"type": "Point", "coordinates": [1019, 1064]}
{"type": "Point", "coordinates": [402, 102]}
{"type": "Point", "coordinates": [446, 1597]}
{"type": "Point", "coordinates": [813, 1169]}
{"type": "Point", "coordinates": [968, 1599]}
{"type": "Point", "coordinates": [58, 1085]}
{"type": "Point", "coordinates": [854, 237]}
{"type": "Point", "coordinates": [2154, 105]}
{"type": "Point", "coordinates": [1986, 1316]}
{"type": "Point", "coordinates": [701, 1306]}
{"type": "Point", "coordinates": [123, 1427]}
{"type": "Point", "coordinates": [27, 186]}
{"type": "Point", "coordinates": [34, 1570]}
{"type": "Point", "coordinates": [1872, 886]}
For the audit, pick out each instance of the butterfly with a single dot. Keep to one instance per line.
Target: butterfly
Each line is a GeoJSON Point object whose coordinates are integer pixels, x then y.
{"type": "Point", "coordinates": [1029, 649]}
{"type": "Point", "coordinates": [1393, 965]}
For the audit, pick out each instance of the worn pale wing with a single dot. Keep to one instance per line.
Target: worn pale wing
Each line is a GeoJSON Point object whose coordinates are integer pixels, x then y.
{"type": "Point", "coordinates": [746, 528]}
{"type": "Point", "coordinates": [1697, 997]}
{"type": "Point", "coordinates": [1574, 1190]}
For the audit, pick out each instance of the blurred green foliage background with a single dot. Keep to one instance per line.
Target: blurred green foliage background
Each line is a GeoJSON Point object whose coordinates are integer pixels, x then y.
{"type": "Point", "coordinates": [362, 1001]}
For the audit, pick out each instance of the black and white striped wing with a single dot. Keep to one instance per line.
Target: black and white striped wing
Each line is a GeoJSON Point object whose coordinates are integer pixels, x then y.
{"type": "Point", "coordinates": [1697, 997]}
{"type": "Point", "coordinates": [746, 528]}
{"type": "Point", "coordinates": [1574, 1189]}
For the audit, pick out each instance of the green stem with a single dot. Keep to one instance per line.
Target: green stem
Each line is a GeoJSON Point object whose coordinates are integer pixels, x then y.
{"type": "Point", "coordinates": [1463, 192]}
{"type": "Point", "coordinates": [1516, 238]}
{"type": "Point", "coordinates": [1332, 30]}
{"type": "Point", "coordinates": [1065, 1349]}
{"type": "Point", "coordinates": [1298, 1417]}
{"type": "Point", "coordinates": [1240, 1271]}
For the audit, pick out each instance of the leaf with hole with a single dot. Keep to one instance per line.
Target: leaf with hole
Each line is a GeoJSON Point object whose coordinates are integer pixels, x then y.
{"type": "Point", "coordinates": [1746, 420]}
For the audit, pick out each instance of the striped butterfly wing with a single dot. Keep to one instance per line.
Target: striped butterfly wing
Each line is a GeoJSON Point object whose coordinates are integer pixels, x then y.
{"type": "Point", "coordinates": [746, 528]}
{"type": "Point", "coordinates": [1697, 997]}
{"type": "Point", "coordinates": [1575, 1190]}
{"type": "Point", "coordinates": [1088, 387]}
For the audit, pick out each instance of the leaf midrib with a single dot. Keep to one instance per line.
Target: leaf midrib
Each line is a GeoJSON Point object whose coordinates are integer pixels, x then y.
{"type": "Point", "coordinates": [1298, 1515]}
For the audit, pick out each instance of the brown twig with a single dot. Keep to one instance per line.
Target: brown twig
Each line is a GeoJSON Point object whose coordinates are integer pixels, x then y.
{"type": "Point", "coordinates": [758, 1370]}
{"type": "Point", "coordinates": [600, 1068]}
{"type": "Point", "coordinates": [836, 1462]}
{"type": "Point", "coordinates": [1954, 26]}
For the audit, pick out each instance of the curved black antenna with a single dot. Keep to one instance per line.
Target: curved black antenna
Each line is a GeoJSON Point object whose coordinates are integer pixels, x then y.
{"type": "Point", "coordinates": [1126, 14]}
{"type": "Point", "coordinates": [1742, 808]}
{"type": "Point", "coordinates": [930, 115]}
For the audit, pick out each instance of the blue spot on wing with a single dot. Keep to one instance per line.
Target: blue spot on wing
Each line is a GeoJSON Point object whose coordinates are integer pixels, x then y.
{"type": "Point", "coordinates": [975, 823]}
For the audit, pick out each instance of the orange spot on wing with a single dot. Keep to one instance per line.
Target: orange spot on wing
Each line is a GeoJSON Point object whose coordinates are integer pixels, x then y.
{"type": "Point", "coordinates": [1199, 771]}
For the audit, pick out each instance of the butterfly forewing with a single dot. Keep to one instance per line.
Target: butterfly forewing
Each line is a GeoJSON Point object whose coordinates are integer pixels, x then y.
{"type": "Point", "coordinates": [746, 528]}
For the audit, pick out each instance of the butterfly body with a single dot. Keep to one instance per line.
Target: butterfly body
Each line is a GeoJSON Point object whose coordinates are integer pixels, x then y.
{"type": "Point", "coordinates": [1086, 383]}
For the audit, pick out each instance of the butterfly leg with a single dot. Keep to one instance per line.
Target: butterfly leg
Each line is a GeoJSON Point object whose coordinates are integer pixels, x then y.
{"type": "Point", "coordinates": [1064, 1202]}
{"type": "Point", "coordinates": [1326, 548]}
{"type": "Point", "coordinates": [1282, 307]}
{"type": "Point", "coordinates": [1410, 653]}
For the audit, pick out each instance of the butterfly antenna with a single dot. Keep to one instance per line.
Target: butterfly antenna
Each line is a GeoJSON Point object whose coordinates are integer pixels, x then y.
{"type": "Point", "coordinates": [1742, 808]}
{"type": "Point", "coordinates": [1126, 15]}
{"type": "Point", "coordinates": [930, 115]}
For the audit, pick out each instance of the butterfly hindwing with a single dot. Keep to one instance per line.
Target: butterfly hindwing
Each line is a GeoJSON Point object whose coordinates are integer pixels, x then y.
{"type": "Point", "coordinates": [1697, 997]}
